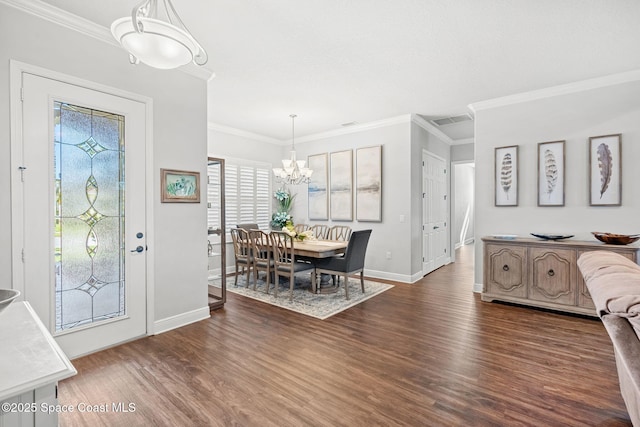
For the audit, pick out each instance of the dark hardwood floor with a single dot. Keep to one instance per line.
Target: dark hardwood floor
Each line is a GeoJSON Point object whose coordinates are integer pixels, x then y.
{"type": "Point", "coordinates": [425, 354]}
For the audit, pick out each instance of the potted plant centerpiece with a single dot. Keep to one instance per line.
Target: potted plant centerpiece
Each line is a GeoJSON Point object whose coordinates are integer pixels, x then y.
{"type": "Point", "coordinates": [282, 214]}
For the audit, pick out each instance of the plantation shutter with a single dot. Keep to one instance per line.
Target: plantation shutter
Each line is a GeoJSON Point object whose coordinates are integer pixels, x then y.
{"type": "Point", "coordinates": [248, 193]}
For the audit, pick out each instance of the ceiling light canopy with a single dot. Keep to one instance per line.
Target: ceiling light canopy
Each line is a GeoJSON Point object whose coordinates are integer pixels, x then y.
{"type": "Point", "coordinates": [293, 171]}
{"type": "Point", "coordinates": [160, 40]}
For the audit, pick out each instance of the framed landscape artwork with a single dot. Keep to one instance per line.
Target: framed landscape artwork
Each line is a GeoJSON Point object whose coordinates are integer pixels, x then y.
{"type": "Point", "coordinates": [369, 184]}
{"type": "Point", "coordinates": [341, 186]}
{"type": "Point", "coordinates": [551, 173]}
{"type": "Point", "coordinates": [179, 186]}
{"type": "Point", "coordinates": [317, 191]}
{"type": "Point", "coordinates": [605, 170]}
{"type": "Point", "coordinates": [506, 176]}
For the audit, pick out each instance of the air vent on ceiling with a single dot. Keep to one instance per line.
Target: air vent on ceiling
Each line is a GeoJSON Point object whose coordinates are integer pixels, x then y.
{"type": "Point", "coordinates": [451, 120]}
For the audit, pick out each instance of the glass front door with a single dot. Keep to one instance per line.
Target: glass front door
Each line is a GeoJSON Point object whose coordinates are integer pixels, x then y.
{"type": "Point", "coordinates": [84, 212]}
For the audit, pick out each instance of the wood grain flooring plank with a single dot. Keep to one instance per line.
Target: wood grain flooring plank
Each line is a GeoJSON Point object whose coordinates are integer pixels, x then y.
{"type": "Point", "coordinates": [424, 354]}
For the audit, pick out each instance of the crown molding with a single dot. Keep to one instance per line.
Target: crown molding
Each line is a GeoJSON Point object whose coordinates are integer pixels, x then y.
{"type": "Point", "coordinates": [581, 86]}
{"type": "Point", "coordinates": [355, 128]}
{"type": "Point", "coordinates": [463, 141]}
{"type": "Point", "coordinates": [84, 26]}
{"type": "Point", "coordinates": [407, 118]}
{"type": "Point", "coordinates": [243, 133]}
{"type": "Point", "coordinates": [431, 129]}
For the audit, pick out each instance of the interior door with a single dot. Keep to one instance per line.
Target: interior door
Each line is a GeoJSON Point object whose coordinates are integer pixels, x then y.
{"type": "Point", "coordinates": [217, 276]}
{"type": "Point", "coordinates": [434, 212]}
{"type": "Point", "coordinates": [83, 187]}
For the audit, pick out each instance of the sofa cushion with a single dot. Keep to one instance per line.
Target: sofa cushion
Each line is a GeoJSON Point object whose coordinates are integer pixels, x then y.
{"type": "Point", "coordinates": [614, 284]}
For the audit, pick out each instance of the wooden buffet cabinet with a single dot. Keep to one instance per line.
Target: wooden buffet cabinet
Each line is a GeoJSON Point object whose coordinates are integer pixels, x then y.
{"type": "Point", "coordinates": [541, 273]}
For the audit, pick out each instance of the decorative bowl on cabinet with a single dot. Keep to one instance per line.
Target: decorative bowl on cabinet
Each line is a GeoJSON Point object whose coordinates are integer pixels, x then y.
{"type": "Point", "coordinates": [615, 239]}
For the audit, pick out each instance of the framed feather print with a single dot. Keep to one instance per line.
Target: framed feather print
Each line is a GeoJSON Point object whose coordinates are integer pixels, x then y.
{"type": "Point", "coordinates": [551, 173]}
{"type": "Point", "coordinates": [605, 170]}
{"type": "Point", "coordinates": [506, 176]}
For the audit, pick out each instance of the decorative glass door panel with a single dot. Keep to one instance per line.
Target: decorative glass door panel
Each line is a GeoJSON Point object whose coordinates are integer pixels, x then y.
{"type": "Point", "coordinates": [89, 215]}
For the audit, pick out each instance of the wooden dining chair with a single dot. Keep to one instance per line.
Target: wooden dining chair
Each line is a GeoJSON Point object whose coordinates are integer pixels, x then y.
{"type": "Point", "coordinates": [242, 251]}
{"type": "Point", "coordinates": [320, 231]}
{"type": "Point", "coordinates": [284, 261]}
{"type": "Point", "coordinates": [299, 228]}
{"type": "Point", "coordinates": [351, 263]}
{"type": "Point", "coordinates": [248, 226]}
{"type": "Point", "coordinates": [341, 233]}
{"type": "Point", "coordinates": [262, 259]}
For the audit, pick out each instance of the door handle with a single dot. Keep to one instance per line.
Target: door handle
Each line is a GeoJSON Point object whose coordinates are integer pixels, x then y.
{"type": "Point", "coordinates": [138, 249]}
{"type": "Point", "coordinates": [435, 227]}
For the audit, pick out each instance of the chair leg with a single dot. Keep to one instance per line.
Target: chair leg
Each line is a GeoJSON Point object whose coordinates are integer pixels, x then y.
{"type": "Point", "coordinates": [346, 286]}
{"type": "Point", "coordinates": [314, 288]}
{"type": "Point", "coordinates": [255, 277]}
{"type": "Point", "coordinates": [291, 284]}
{"type": "Point", "coordinates": [276, 284]}
{"type": "Point", "coordinates": [235, 279]}
{"type": "Point", "coordinates": [362, 281]}
{"type": "Point", "coordinates": [267, 279]}
{"type": "Point", "coordinates": [248, 276]}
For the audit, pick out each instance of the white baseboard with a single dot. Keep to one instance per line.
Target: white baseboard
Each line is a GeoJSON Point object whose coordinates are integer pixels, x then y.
{"type": "Point", "coordinates": [375, 274]}
{"type": "Point", "coordinates": [477, 287]}
{"type": "Point", "coordinates": [179, 320]}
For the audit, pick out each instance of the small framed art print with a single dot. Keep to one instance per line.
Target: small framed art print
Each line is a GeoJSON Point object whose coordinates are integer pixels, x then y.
{"type": "Point", "coordinates": [179, 186]}
{"type": "Point", "coordinates": [605, 170]}
{"type": "Point", "coordinates": [551, 173]}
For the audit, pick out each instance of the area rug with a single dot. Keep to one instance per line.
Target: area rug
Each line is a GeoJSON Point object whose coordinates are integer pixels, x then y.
{"type": "Point", "coordinates": [320, 306]}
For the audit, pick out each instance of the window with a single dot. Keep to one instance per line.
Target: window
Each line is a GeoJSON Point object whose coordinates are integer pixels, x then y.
{"type": "Point", "coordinates": [247, 193]}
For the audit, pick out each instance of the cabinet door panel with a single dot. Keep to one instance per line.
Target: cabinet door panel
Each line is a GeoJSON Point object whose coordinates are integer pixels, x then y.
{"type": "Point", "coordinates": [584, 297]}
{"type": "Point", "coordinates": [507, 270]}
{"type": "Point", "coordinates": [553, 275]}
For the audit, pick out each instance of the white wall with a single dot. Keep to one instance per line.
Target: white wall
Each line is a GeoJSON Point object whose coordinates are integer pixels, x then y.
{"type": "Point", "coordinates": [390, 235]}
{"type": "Point", "coordinates": [572, 113]}
{"type": "Point", "coordinates": [180, 142]}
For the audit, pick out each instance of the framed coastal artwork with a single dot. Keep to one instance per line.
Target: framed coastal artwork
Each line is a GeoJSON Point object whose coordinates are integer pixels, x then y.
{"type": "Point", "coordinates": [341, 185]}
{"type": "Point", "coordinates": [179, 186]}
{"type": "Point", "coordinates": [551, 166]}
{"type": "Point", "coordinates": [506, 176]}
{"type": "Point", "coordinates": [318, 185]}
{"type": "Point", "coordinates": [605, 170]}
{"type": "Point", "coordinates": [369, 184]}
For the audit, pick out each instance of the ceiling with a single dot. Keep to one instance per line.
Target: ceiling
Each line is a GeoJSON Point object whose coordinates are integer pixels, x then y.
{"type": "Point", "coordinates": [335, 61]}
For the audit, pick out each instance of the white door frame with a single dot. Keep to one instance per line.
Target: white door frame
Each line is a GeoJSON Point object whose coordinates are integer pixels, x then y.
{"type": "Point", "coordinates": [448, 207]}
{"type": "Point", "coordinates": [17, 202]}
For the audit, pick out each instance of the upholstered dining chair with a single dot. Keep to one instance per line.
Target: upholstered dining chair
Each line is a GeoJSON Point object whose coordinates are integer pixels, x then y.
{"type": "Point", "coordinates": [299, 228]}
{"type": "Point", "coordinates": [284, 261]}
{"type": "Point", "coordinates": [262, 259]}
{"type": "Point", "coordinates": [320, 231]}
{"type": "Point", "coordinates": [340, 232]}
{"type": "Point", "coordinates": [242, 251]}
{"type": "Point", "coordinates": [351, 263]}
{"type": "Point", "coordinates": [248, 226]}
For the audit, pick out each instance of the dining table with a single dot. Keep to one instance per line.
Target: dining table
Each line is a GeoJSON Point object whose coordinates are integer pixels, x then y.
{"type": "Point", "coordinates": [320, 249]}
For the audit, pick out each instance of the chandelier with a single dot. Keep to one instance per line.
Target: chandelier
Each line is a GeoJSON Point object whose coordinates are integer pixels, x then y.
{"type": "Point", "coordinates": [155, 41]}
{"type": "Point", "coordinates": [292, 171]}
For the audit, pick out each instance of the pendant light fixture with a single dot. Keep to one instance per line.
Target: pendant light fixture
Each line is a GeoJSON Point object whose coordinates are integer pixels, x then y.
{"type": "Point", "coordinates": [292, 171]}
{"type": "Point", "coordinates": [160, 40]}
